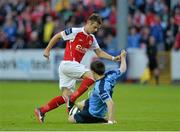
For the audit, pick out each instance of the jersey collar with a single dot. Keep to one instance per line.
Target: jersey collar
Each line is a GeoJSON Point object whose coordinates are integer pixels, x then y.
{"type": "Point", "coordinates": [84, 31]}
{"type": "Point", "coordinates": [100, 78]}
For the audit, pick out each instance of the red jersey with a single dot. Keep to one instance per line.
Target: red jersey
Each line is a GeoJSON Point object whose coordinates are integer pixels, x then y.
{"type": "Point", "coordinates": [78, 42]}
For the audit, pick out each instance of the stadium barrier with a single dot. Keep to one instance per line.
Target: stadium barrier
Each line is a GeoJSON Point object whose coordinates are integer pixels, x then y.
{"type": "Point", "coordinates": [136, 62]}
{"type": "Point", "coordinates": [24, 65]}
{"type": "Point", "coordinates": [31, 65]}
{"type": "Point", "coordinates": [175, 65]}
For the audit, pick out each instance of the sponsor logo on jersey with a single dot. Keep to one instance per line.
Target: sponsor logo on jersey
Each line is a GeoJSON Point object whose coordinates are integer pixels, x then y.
{"type": "Point", "coordinates": [80, 40]}
{"type": "Point", "coordinates": [81, 49]}
{"type": "Point", "coordinates": [68, 31]}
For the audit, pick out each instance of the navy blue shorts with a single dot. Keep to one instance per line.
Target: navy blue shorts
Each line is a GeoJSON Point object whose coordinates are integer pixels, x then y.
{"type": "Point", "coordinates": [85, 117]}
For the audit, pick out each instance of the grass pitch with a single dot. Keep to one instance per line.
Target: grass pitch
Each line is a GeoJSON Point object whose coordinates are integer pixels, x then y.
{"type": "Point", "coordinates": [138, 107]}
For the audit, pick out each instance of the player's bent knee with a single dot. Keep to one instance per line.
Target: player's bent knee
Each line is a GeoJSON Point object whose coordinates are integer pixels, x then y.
{"type": "Point", "coordinates": [87, 74]}
{"type": "Point", "coordinates": [66, 92]}
{"type": "Point", "coordinates": [71, 119]}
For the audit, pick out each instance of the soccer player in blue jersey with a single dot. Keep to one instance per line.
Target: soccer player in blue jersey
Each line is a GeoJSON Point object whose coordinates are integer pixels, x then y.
{"type": "Point", "coordinates": [100, 101]}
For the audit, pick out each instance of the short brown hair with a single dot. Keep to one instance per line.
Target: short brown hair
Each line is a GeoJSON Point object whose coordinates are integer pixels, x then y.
{"type": "Point", "coordinates": [98, 67]}
{"type": "Point", "coordinates": [95, 18]}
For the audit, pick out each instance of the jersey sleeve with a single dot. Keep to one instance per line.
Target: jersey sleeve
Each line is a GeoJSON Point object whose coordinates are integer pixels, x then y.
{"type": "Point", "coordinates": [114, 75]}
{"type": "Point", "coordinates": [117, 74]}
{"type": "Point", "coordinates": [69, 33]}
{"type": "Point", "coordinates": [95, 44]}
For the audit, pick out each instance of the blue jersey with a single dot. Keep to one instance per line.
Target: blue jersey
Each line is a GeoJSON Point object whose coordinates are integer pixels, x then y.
{"type": "Point", "coordinates": [102, 92]}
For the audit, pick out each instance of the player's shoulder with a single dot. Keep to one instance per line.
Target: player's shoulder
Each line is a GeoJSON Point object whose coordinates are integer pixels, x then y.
{"type": "Point", "coordinates": [93, 36]}
{"type": "Point", "coordinates": [110, 72]}
{"type": "Point", "coordinates": [73, 30]}
{"type": "Point", "coordinates": [77, 29]}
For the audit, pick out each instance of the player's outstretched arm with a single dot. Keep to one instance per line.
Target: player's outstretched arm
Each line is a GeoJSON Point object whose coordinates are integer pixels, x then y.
{"type": "Point", "coordinates": [52, 42]}
{"type": "Point", "coordinates": [110, 106]}
{"type": "Point", "coordinates": [123, 66]}
{"type": "Point", "coordinates": [100, 53]}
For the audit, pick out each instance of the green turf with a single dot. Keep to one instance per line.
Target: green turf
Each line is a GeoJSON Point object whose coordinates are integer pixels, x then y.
{"type": "Point", "coordinates": [138, 107]}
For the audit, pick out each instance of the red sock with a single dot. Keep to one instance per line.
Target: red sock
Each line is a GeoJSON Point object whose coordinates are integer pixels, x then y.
{"type": "Point", "coordinates": [87, 82]}
{"type": "Point", "coordinates": [54, 103]}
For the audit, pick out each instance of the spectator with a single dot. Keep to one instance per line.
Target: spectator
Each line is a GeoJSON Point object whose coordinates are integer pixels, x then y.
{"type": "Point", "coordinates": [10, 30]}
{"type": "Point", "coordinates": [177, 40]}
{"type": "Point", "coordinates": [48, 30]}
{"type": "Point", "coordinates": [131, 7]}
{"type": "Point", "coordinates": [100, 39]}
{"type": "Point", "coordinates": [150, 18]}
{"type": "Point", "coordinates": [157, 32]}
{"type": "Point", "coordinates": [133, 38]}
{"type": "Point", "coordinates": [19, 43]}
{"type": "Point", "coordinates": [152, 58]}
{"type": "Point", "coordinates": [169, 40]}
{"type": "Point", "coordinates": [139, 19]}
{"type": "Point", "coordinates": [113, 16]}
{"type": "Point", "coordinates": [3, 40]}
{"type": "Point", "coordinates": [145, 32]}
{"type": "Point", "coordinates": [34, 43]}
{"type": "Point", "coordinates": [177, 16]}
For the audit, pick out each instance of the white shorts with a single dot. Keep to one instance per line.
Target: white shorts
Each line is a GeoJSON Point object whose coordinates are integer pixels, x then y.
{"type": "Point", "coordinates": [69, 72]}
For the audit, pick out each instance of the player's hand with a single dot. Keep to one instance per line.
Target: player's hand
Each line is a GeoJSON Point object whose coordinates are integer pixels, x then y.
{"type": "Point", "coordinates": [117, 58]}
{"type": "Point", "coordinates": [46, 54]}
{"type": "Point", "coordinates": [123, 53]}
{"type": "Point", "coordinates": [111, 122]}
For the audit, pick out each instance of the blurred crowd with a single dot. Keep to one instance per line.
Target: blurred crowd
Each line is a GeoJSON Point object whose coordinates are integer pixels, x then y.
{"type": "Point", "coordinates": [154, 18]}
{"type": "Point", "coordinates": [31, 23]}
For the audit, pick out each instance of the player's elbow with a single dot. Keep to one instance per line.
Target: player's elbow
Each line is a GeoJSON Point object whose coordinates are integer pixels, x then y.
{"type": "Point", "coordinates": [123, 69]}
{"type": "Point", "coordinates": [57, 36]}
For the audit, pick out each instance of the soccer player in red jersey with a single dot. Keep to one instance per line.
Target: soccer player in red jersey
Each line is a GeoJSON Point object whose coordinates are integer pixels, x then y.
{"type": "Point", "coordinates": [78, 42]}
